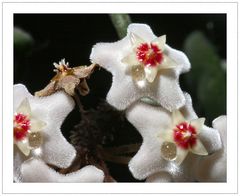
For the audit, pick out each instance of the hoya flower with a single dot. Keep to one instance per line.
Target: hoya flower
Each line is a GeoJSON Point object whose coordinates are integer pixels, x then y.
{"type": "Point", "coordinates": [142, 65]}
{"type": "Point", "coordinates": [37, 123]}
{"type": "Point", "coordinates": [147, 58]}
{"type": "Point", "coordinates": [27, 129]}
{"type": "Point", "coordinates": [44, 173]}
{"type": "Point", "coordinates": [167, 139]}
{"type": "Point", "coordinates": [182, 137]}
{"type": "Point", "coordinates": [213, 167]}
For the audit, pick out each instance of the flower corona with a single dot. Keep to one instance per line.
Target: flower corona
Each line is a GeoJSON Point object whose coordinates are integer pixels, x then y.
{"type": "Point", "coordinates": [149, 54]}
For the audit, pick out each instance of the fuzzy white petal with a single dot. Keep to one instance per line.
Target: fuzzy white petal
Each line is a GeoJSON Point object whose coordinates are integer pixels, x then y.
{"type": "Point", "coordinates": [183, 64]}
{"type": "Point", "coordinates": [19, 158]}
{"type": "Point", "coordinates": [188, 110]}
{"type": "Point", "coordinates": [160, 177]}
{"type": "Point", "coordinates": [35, 170]}
{"type": "Point", "coordinates": [147, 161]}
{"type": "Point", "coordinates": [211, 139]}
{"type": "Point", "coordinates": [148, 120]}
{"type": "Point", "coordinates": [107, 55]}
{"type": "Point", "coordinates": [213, 168]}
{"type": "Point", "coordinates": [167, 91]}
{"type": "Point", "coordinates": [20, 92]}
{"type": "Point", "coordinates": [141, 30]}
{"type": "Point", "coordinates": [123, 92]}
{"type": "Point", "coordinates": [53, 110]}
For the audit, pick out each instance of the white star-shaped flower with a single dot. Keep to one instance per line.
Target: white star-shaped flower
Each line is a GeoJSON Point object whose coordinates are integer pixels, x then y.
{"type": "Point", "coordinates": [142, 65]}
{"type": "Point", "coordinates": [165, 157]}
{"type": "Point", "coordinates": [44, 173]}
{"type": "Point", "coordinates": [37, 133]}
{"type": "Point", "coordinates": [213, 168]}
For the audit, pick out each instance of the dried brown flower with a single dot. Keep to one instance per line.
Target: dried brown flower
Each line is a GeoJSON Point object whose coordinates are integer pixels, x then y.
{"type": "Point", "coordinates": [68, 79]}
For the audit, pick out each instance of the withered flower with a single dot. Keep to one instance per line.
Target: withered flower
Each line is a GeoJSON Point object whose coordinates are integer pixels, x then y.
{"type": "Point", "coordinates": [68, 79]}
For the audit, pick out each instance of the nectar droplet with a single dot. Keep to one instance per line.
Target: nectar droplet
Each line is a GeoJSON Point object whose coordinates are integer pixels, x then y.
{"type": "Point", "coordinates": [35, 139]}
{"type": "Point", "coordinates": [168, 151]}
{"type": "Point", "coordinates": [138, 73]}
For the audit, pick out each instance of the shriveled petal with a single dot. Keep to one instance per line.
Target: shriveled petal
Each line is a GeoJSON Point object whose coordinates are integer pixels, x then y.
{"type": "Point", "coordinates": [149, 120]}
{"type": "Point", "coordinates": [24, 107]}
{"type": "Point", "coordinates": [130, 59]}
{"type": "Point", "coordinates": [160, 42]}
{"type": "Point", "coordinates": [147, 161]}
{"type": "Point", "coordinates": [213, 168]}
{"type": "Point", "coordinates": [150, 73]}
{"type": "Point", "coordinates": [20, 92]}
{"type": "Point", "coordinates": [198, 124]}
{"type": "Point", "coordinates": [23, 147]}
{"type": "Point", "coordinates": [160, 177]}
{"type": "Point", "coordinates": [181, 155]}
{"type": "Point", "coordinates": [54, 109]}
{"type": "Point", "coordinates": [135, 39]}
{"type": "Point", "coordinates": [177, 117]}
{"type": "Point", "coordinates": [43, 173]}
{"type": "Point", "coordinates": [199, 148]}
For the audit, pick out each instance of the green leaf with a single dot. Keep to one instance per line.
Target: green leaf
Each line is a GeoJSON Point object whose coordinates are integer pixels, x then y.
{"type": "Point", "coordinates": [23, 41]}
{"type": "Point", "coordinates": [120, 22]}
{"type": "Point", "coordinates": [207, 79]}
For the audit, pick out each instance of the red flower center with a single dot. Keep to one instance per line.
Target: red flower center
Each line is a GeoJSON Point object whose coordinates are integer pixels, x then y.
{"type": "Point", "coordinates": [21, 126]}
{"type": "Point", "coordinates": [149, 54]}
{"type": "Point", "coordinates": [185, 135]}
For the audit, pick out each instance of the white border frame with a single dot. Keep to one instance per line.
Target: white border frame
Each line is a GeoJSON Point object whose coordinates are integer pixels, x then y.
{"type": "Point", "coordinates": [116, 7]}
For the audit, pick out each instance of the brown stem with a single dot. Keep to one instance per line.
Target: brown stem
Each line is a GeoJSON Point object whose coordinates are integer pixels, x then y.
{"type": "Point", "coordinates": [125, 149]}
{"type": "Point", "coordinates": [85, 157]}
{"type": "Point", "coordinates": [117, 159]}
{"type": "Point", "coordinates": [78, 102]}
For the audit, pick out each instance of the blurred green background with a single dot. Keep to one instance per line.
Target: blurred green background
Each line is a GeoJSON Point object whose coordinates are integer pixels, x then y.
{"type": "Point", "coordinates": [41, 39]}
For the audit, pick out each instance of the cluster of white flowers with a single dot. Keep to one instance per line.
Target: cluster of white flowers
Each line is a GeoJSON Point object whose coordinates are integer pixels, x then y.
{"type": "Point", "coordinates": [177, 146]}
